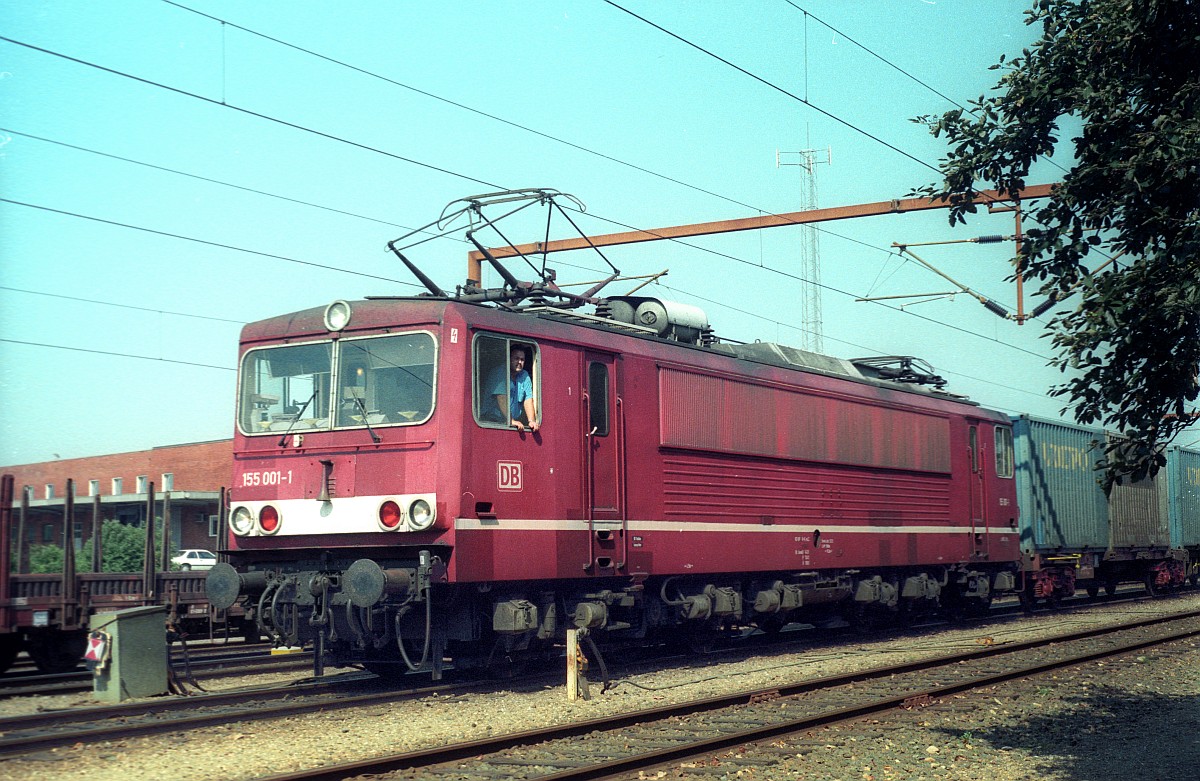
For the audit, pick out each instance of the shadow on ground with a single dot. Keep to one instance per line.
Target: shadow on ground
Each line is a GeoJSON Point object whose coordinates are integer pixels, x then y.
{"type": "Point", "coordinates": [1109, 734]}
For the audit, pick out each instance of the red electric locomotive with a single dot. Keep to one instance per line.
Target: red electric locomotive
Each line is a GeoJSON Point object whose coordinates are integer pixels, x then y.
{"type": "Point", "coordinates": [467, 476]}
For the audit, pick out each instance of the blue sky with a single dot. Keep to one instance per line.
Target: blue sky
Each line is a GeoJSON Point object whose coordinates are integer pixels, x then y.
{"type": "Point", "coordinates": [170, 172]}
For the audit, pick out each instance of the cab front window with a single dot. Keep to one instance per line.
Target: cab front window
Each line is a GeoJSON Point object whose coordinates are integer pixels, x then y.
{"type": "Point", "coordinates": [385, 380]}
{"type": "Point", "coordinates": [352, 383]}
{"type": "Point", "coordinates": [286, 388]}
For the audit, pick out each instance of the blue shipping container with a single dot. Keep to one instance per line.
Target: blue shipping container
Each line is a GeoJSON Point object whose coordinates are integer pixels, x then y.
{"type": "Point", "coordinates": [1063, 508]}
{"type": "Point", "coordinates": [1183, 481]}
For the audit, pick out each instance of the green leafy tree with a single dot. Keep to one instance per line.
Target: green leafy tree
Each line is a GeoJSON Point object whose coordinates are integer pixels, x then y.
{"type": "Point", "coordinates": [45, 559]}
{"type": "Point", "coordinates": [124, 546]}
{"type": "Point", "coordinates": [1122, 231]}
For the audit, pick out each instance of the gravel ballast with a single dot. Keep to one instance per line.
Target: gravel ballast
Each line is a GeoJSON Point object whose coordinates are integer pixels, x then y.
{"type": "Point", "coordinates": [1136, 717]}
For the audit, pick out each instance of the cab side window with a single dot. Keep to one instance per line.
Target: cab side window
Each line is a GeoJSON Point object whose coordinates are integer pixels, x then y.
{"type": "Point", "coordinates": [1004, 451]}
{"type": "Point", "coordinates": [506, 382]}
{"type": "Point", "coordinates": [598, 399]}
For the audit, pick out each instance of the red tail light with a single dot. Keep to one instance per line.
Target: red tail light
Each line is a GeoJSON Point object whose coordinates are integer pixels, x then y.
{"type": "Point", "coordinates": [268, 519]}
{"type": "Point", "coordinates": [389, 515]}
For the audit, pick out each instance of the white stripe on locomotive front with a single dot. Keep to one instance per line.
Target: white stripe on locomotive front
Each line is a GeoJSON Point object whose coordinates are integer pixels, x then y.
{"type": "Point", "coordinates": [343, 515]}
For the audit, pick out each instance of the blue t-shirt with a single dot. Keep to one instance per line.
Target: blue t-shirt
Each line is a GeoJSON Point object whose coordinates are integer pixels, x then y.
{"type": "Point", "coordinates": [520, 387]}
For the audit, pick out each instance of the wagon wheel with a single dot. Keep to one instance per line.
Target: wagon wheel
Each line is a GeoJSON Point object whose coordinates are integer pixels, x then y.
{"type": "Point", "coordinates": [1093, 590]}
{"type": "Point", "coordinates": [1151, 586]}
{"type": "Point", "coordinates": [58, 652]}
{"type": "Point", "coordinates": [1028, 600]}
{"type": "Point", "coordinates": [10, 646]}
{"type": "Point", "coordinates": [1110, 586]}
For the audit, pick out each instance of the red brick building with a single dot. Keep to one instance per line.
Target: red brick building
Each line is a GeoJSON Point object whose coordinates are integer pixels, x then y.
{"type": "Point", "coordinates": [186, 480]}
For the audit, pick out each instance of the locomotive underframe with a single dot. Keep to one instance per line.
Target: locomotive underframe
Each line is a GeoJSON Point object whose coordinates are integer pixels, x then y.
{"type": "Point", "coordinates": [397, 613]}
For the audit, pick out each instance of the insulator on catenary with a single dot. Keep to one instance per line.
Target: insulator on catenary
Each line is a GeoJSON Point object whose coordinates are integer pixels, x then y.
{"type": "Point", "coordinates": [989, 239]}
{"type": "Point", "coordinates": [993, 307]}
{"type": "Point", "coordinates": [1043, 307]}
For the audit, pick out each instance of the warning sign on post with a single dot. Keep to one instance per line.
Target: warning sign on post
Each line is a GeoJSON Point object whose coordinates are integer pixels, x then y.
{"type": "Point", "coordinates": [508, 475]}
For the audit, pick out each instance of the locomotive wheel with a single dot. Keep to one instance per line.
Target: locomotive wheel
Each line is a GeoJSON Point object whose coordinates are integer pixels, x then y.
{"type": "Point", "coordinates": [1110, 587]}
{"type": "Point", "coordinates": [1093, 590]}
{"type": "Point", "coordinates": [58, 652]}
{"type": "Point", "coordinates": [863, 618]}
{"type": "Point", "coordinates": [770, 625]}
{"type": "Point", "coordinates": [979, 606]}
{"type": "Point", "coordinates": [388, 671]}
{"type": "Point", "coordinates": [249, 632]}
{"type": "Point", "coordinates": [10, 646]}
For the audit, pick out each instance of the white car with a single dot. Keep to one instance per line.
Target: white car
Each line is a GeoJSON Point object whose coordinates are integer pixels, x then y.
{"type": "Point", "coordinates": [194, 559]}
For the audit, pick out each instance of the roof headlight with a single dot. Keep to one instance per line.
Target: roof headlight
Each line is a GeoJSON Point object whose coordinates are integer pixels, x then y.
{"type": "Point", "coordinates": [337, 315]}
{"type": "Point", "coordinates": [420, 515]}
{"type": "Point", "coordinates": [241, 521]}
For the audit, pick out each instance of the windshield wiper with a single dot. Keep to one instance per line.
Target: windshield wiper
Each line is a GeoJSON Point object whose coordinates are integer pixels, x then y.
{"type": "Point", "coordinates": [296, 419]}
{"type": "Point", "coordinates": [363, 409]}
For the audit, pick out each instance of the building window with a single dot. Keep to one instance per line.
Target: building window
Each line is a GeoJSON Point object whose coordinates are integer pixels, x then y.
{"type": "Point", "coordinates": [143, 484]}
{"type": "Point", "coordinates": [214, 525]}
{"type": "Point", "coordinates": [117, 483]}
{"type": "Point", "coordinates": [93, 487]}
{"type": "Point", "coordinates": [168, 481]}
{"type": "Point", "coordinates": [49, 490]}
{"type": "Point", "coordinates": [48, 532]}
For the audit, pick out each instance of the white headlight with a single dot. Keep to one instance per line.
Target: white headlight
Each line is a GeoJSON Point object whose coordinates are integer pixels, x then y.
{"type": "Point", "coordinates": [337, 315]}
{"type": "Point", "coordinates": [241, 520]}
{"type": "Point", "coordinates": [420, 515]}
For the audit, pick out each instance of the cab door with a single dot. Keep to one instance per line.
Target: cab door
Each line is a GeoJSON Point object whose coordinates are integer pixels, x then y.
{"type": "Point", "coordinates": [603, 443]}
{"type": "Point", "coordinates": [602, 438]}
{"type": "Point", "coordinates": [978, 457]}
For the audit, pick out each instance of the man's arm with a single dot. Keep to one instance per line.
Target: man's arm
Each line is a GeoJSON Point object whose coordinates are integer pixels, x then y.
{"type": "Point", "coordinates": [530, 415]}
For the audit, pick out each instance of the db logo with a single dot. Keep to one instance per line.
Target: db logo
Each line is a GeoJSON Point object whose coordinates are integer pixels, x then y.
{"type": "Point", "coordinates": [508, 475]}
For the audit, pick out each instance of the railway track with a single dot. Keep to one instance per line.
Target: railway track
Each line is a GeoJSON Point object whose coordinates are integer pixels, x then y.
{"type": "Point", "coordinates": [38, 732]}
{"type": "Point", "coordinates": [210, 665]}
{"type": "Point", "coordinates": [637, 744]}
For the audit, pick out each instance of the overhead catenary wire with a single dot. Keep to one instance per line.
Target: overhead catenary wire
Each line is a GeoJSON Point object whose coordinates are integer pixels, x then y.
{"type": "Point", "coordinates": [403, 158]}
{"type": "Point", "coordinates": [399, 157]}
{"type": "Point", "coordinates": [437, 168]}
{"type": "Point", "coordinates": [121, 306]}
{"type": "Point", "coordinates": [116, 354]}
{"type": "Point", "coordinates": [207, 242]}
{"type": "Point", "coordinates": [479, 112]}
{"type": "Point", "coordinates": [191, 175]}
{"type": "Point", "coordinates": [777, 88]}
{"type": "Point", "coordinates": [248, 112]}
